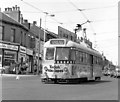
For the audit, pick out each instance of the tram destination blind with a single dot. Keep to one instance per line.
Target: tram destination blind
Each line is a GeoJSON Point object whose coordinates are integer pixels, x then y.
{"type": "Point", "coordinates": [57, 42]}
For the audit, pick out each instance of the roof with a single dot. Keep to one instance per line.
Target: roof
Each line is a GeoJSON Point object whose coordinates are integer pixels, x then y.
{"type": "Point", "coordinates": [53, 34]}
{"type": "Point", "coordinates": [9, 20]}
{"type": "Point", "coordinates": [69, 43]}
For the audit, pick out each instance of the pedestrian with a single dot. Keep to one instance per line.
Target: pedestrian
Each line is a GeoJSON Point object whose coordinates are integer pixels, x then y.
{"type": "Point", "coordinates": [12, 66]}
{"type": "Point", "coordinates": [17, 67]}
{"type": "Point", "coordinates": [17, 70]}
{"type": "Point", "coordinates": [27, 67]}
{"type": "Point", "coordinates": [35, 68]}
{"type": "Point", "coordinates": [40, 68]}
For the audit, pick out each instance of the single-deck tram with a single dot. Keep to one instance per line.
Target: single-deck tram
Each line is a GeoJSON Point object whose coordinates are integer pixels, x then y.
{"type": "Point", "coordinates": [68, 61]}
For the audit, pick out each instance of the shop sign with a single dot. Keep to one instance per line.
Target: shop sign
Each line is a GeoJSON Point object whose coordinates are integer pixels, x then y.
{"type": "Point", "coordinates": [23, 56]}
{"type": "Point", "coordinates": [29, 52]}
{"type": "Point", "coordinates": [22, 49]}
{"type": "Point", "coordinates": [6, 46]}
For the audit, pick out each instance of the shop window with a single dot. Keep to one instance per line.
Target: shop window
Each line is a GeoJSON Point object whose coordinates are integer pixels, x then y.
{"type": "Point", "coordinates": [9, 57]}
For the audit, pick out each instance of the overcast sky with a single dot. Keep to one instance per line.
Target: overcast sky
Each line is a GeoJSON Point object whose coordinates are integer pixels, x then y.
{"type": "Point", "coordinates": [103, 15]}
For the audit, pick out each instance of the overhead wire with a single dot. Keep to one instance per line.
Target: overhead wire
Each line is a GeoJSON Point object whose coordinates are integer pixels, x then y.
{"type": "Point", "coordinates": [40, 11]}
{"type": "Point", "coordinates": [78, 9]}
{"type": "Point", "coordinates": [111, 6]}
{"type": "Point", "coordinates": [95, 45]}
{"type": "Point", "coordinates": [73, 10]}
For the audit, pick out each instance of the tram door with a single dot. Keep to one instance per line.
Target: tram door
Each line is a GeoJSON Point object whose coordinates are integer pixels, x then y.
{"type": "Point", "coordinates": [91, 66]}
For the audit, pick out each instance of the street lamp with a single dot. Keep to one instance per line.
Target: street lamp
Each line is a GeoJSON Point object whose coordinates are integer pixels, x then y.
{"type": "Point", "coordinates": [46, 14]}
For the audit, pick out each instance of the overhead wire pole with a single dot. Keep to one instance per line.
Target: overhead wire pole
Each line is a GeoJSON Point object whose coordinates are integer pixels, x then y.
{"type": "Point", "coordinates": [46, 13]}
{"type": "Point", "coordinates": [38, 67]}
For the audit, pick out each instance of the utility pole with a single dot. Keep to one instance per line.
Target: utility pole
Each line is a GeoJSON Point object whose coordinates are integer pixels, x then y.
{"type": "Point", "coordinates": [39, 49]}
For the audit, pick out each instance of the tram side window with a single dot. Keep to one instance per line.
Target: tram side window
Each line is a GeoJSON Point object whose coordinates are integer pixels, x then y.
{"type": "Point", "coordinates": [72, 55]}
{"type": "Point", "coordinates": [0, 60]}
{"type": "Point", "coordinates": [81, 56]}
{"type": "Point", "coordinates": [77, 57]}
{"type": "Point", "coordinates": [97, 61]}
{"type": "Point", "coordinates": [88, 58]}
{"type": "Point", "coordinates": [84, 58]}
{"type": "Point", "coordinates": [94, 60]}
{"type": "Point", "coordinates": [100, 61]}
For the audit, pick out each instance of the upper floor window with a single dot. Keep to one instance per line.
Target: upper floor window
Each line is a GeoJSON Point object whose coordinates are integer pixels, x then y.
{"type": "Point", "coordinates": [25, 38]}
{"type": "Point", "coordinates": [12, 38]}
{"type": "Point", "coordinates": [21, 36]}
{"type": "Point", "coordinates": [1, 32]}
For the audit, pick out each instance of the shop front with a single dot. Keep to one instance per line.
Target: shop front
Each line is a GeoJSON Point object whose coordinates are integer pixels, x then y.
{"type": "Point", "coordinates": [22, 54]}
{"type": "Point", "coordinates": [0, 60]}
{"type": "Point", "coordinates": [8, 55]}
{"type": "Point", "coordinates": [30, 60]}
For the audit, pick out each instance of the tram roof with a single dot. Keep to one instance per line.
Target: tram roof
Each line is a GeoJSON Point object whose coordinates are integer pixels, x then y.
{"type": "Point", "coordinates": [69, 43]}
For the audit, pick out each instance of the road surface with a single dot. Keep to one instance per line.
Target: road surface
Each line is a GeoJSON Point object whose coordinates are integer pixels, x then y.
{"type": "Point", "coordinates": [31, 88]}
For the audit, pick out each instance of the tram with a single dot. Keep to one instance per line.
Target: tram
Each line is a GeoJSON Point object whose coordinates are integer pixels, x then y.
{"type": "Point", "coordinates": [65, 60]}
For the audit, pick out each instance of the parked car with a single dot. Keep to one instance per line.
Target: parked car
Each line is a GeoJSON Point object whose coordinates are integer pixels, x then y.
{"type": "Point", "coordinates": [117, 73]}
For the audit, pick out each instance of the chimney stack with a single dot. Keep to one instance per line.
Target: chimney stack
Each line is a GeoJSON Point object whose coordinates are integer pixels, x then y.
{"type": "Point", "coordinates": [13, 12]}
{"type": "Point", "coordinates": [25, 22]}
{"type": "Point", "coordinates": [21, 19]}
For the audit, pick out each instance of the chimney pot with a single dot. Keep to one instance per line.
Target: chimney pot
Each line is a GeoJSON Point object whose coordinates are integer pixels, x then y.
{"type": "Point", "coordinates": [18, 8]}
{"type": "Point", "coordinates": [13, 8]}
{"type": "Point", "coordinates": [25, 21]}
{"type": "Point", "coordinates": [34, 22]}
{"type": "Point", "coordinates": [10, 9]}
{"type": "Point", "coordinates": [5, 9]}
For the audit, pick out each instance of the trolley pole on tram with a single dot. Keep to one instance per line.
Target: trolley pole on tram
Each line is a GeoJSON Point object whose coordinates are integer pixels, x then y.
{"type": "Point", "coordinates": [38, 67]}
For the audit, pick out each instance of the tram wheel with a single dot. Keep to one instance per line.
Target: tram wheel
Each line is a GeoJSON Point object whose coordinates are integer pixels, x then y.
{"type": "Point", "coordinates": [55, 81]}
{"type": "Point", "coordinates": [97, 78]}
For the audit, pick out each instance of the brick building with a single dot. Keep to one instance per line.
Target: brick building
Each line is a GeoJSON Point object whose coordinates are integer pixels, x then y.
{"type": "Point", "coordinates": [16, 43]}
{"type": "Point", "coordinates": [18, 38]}
{"type": "Point", "coordinates": [64, 33]}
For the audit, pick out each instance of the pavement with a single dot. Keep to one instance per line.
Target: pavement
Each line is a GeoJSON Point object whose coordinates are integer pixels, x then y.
{"type": "Point", "coordinates": [15, 75]}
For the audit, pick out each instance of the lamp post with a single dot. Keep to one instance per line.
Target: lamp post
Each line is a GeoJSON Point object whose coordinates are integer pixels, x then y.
{"type": "Point", "coordinates": [39, 48]}
{"type": "Point", "coordinates": [46, 14]}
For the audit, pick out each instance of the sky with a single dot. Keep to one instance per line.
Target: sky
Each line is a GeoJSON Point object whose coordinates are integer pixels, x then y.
{"type": "Point", "coordinates": [103, 14]}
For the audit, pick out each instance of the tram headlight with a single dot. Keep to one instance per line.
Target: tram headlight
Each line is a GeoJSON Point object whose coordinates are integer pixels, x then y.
{"type": "Point", "coordinates": [65, 69]}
